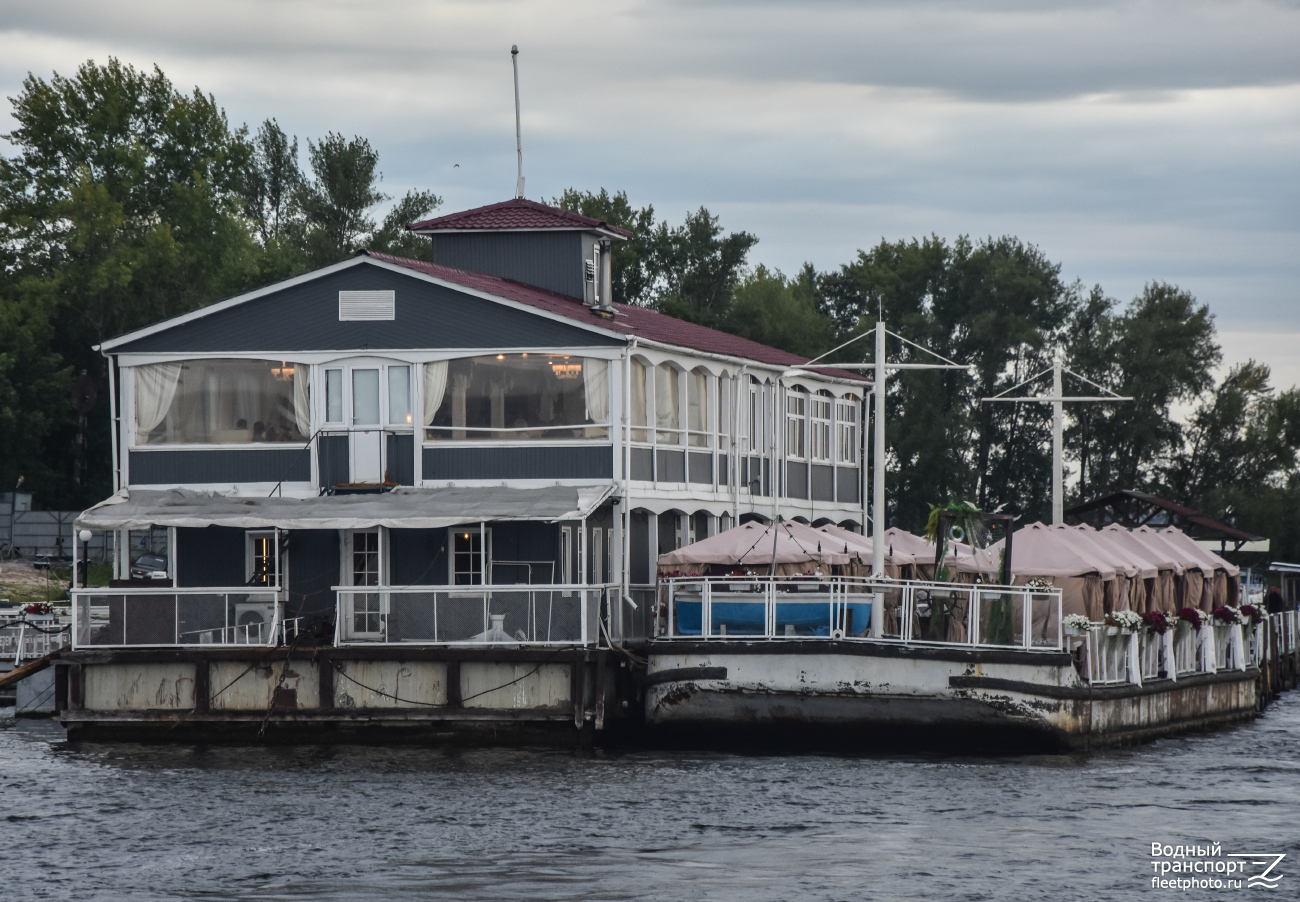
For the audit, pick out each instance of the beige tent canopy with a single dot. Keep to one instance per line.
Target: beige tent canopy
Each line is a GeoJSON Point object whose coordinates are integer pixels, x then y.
{"type": "Point", "coordinates": [792, 547]}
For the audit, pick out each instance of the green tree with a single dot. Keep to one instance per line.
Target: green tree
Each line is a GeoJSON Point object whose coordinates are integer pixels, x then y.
{"type": "Point", "coordinates": [336, 201]}
{"type": "Point", "coordinates": [771, 309]}
{"type": "Point", "coordinates": [393, 237]}
{"type": "Point", "coordinates": [697, 268]}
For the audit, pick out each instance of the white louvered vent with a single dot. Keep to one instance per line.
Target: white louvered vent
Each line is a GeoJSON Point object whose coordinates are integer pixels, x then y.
{"type": "Point", "coordinates": [366, 305]}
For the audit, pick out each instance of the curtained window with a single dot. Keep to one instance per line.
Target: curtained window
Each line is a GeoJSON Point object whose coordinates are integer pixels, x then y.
{"type": "Point", "coordinates": [222, 402]}
{"type": "Point", "coordinates": [516, 397]}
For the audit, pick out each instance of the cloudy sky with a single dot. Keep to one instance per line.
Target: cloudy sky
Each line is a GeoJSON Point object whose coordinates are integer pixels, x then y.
{"type": "Point", "coordinates": [1131, 141]}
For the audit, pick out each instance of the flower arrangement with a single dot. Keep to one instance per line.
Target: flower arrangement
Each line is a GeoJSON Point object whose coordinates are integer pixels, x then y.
{"type": "Point", "coordinates": [669, 574]}
{"type": "Point", "coordinates": [39, 608]}
{"type": "Point", "coordinates": [1077, 622]}
{"type": "Point", "coordinates": [1127, 621]}
{"type": "Point", "coordinates": [1038, 584]}
{"type": "Point", "coordinates": [1252, 613]}
{"type": "Point", "coordinates": [1158, 621]}
{"type": "Point", "coordinates": [1227, 615]}
{"type": "Point", "coordinates": [1192, 616]}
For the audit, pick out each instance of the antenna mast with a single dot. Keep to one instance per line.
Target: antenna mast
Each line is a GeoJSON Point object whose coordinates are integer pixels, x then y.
{"type": "Point", "coordinates": [519, 145]}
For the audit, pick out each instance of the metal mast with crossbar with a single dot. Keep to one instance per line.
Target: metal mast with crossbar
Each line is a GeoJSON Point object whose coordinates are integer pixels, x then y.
{"type": "Point", "coordinates": [1057, 399]}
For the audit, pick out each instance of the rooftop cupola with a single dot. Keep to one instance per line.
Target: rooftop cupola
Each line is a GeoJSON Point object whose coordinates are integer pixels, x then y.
{"type": "Point", "coordinates": [522, 240]}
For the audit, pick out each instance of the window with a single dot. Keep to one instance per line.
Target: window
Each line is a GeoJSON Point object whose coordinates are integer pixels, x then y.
{"type": "Point", "coordinates": [846, 430]}
{"type": "Point", "coordinates": [367, 610]}
{"type": "Point", "coordinates": [697, 409]}
{"type": "Point", "coordinates": [724, 410]}
{"type": "Point", "coordinates": [668, 421]}
{"type": "Point", "coordinates": [260, 563]}
{"type": "Point", "coordinates": [796, 407]}
{"type": "Point", "coordinates": [640, 421]}
{"type": "Point", "coordinates": [221, 402]}
{"type": "Point", "coordinates": [399, 395]}
{"type": "Point", "coordinates": [468, 555]}
{"type": "Point", "coordinates": [755, 417]}
{"type": "Point", "coordinates": [819, 427]}
{"type": "Point", "coordinates": [334, 396]}
{"type": "Point", "coordinates": [517, 397]}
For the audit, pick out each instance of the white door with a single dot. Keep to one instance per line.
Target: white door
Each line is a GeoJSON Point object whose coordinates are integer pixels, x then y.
{"type": "Point", "coordinates": [367, 443]}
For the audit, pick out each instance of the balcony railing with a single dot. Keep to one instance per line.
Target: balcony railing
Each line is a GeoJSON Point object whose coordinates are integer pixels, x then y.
{"type": "Point", "coordinates": [128, 618]}
{"type": "Point", "coordinates": [1111, 655]}
{"type": "Point", "coordinates": [471, 615]}
{"type": "Point", "coordinates": [28, 639]}
{"type": "Point", "coordinates": [843, 608]}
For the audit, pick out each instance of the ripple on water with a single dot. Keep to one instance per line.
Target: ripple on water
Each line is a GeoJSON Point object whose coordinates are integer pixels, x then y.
{"type": "Point", "coordinates": [123, 821]}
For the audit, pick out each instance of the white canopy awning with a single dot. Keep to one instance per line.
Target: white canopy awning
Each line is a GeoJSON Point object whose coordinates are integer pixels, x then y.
{"type": "Point", "coordinates": [402, 508]}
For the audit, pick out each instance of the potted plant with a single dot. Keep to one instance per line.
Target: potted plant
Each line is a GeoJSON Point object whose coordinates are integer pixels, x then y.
{"type": "Point", "coordinates": [1252, 614]}
{"type": "Point", "coordinates": [1122, 622]}
{"type": "Point", "coordinates": [1157, 622]}
{"type": "Point", "coordinates": [1076, 624]}
{"type": "Point", "coordinates": [1192, 617]}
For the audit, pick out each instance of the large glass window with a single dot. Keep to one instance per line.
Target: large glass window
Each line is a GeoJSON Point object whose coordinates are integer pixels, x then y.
{"type": "Point", "coordinates": [819, 427]}
{"type": "Point", "coordinates": [754, 411]}
{"type": "Point", "coordinates": [724, 410]}
{"type": "Point", "coordinates": [846, 430]}
{"type": "Point", "coordinates": [517, 397]}
{"type": "Point", "coordinates": [796, 411]}
{"type": "Point", "coordinates": [468, 556]}
{"type": "Point", "coordinates": [221, 402]}
{"type": "Point", "coordinates": [399, 395]}
{"type": "Point", "coordinates": [668, 406]}
{"type": "Point", "coordinates": [697, 408]}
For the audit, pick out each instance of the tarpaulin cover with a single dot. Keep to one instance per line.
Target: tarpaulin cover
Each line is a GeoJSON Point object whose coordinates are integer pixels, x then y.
{"type": "Point", "coordinates": [402, 508]}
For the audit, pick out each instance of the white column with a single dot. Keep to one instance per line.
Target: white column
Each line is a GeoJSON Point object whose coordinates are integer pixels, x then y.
{"type": "Point", "coordinates": [878, 459]}
{"type": "Point", "coordinates": [1058, 465]}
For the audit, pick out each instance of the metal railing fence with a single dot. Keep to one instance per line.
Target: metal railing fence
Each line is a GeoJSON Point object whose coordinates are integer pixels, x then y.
{"type": "Point", "coordinates": [126, 618]}
{"type": "Point", "coordinates": [472, 615]}
{"type": "Point", "coordinates": [26, 640]}
{"type": "Point", "coordinates": [842, 608]}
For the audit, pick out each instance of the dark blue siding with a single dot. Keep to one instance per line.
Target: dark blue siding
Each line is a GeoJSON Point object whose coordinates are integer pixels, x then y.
{"type": "Point", "coordinates": [796, 480]}
{"type": "Point", "coordinates": [846, 485]}
{"type": "Point", "coordinates": [313, 569]}
{"type": "Point", "coordinates": [671, 466]}
{"type": "Point", "coordinates": [544, 462]}
{"type": "Point", "coordinates": [305, 317]}
{"type": "Point", "coordinates": [550, 260]}
{"type": "Point", "coordinates": [823, 483]}
{"type": "Point", "coordinates": [643, 464]}
{"type": "Point", "coordinates": [215, 465]}
{"type": "Point", "coordinates": [417, 557]}
{"type": "Point", "coordinates": [701, 467]}
{"type": "Point", "coordinates": [332, 460]}
{"type": "Point", "coordinates": [401, 459]}
{"type": "Point", "coordinates": [212, 556]}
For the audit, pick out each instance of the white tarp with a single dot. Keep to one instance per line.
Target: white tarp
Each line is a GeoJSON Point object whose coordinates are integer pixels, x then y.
{"type": "Point", "coordinates": [402, 508]}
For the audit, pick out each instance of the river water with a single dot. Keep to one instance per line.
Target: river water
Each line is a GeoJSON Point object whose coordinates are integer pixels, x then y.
{"type": "Point", "coordinates": [122, 821]}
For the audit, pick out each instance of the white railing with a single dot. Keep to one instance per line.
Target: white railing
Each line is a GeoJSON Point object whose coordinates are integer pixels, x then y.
{"type": "Point", "coordinates": [1112, 655]}
{"type": "Point", "coordinates": [1287, 627]}
{"type": "Point", "coordinates": [26, 640]}
{"type": "Point", "coordinates": [859, 608]}
{"type": "Point", "coordinates": [125, 618]}
{"type": "Point", "coordinates": [471, 615]}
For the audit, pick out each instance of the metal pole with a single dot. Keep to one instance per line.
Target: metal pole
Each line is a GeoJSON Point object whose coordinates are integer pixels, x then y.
{"type": "Point", "coordinates": [1058, 465]}
{"type": "Point", "coordinates": [519, 144]}
{"type": "Point", "coordinates": [878, 460]}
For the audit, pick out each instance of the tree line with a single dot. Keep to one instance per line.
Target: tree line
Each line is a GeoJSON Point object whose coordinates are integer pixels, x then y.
{"type": "Point", "coordinates": [126, 201]}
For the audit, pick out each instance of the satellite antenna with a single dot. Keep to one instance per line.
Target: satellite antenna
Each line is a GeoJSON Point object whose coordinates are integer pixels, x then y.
{"type": "Point", "coordinates": [519, 145]}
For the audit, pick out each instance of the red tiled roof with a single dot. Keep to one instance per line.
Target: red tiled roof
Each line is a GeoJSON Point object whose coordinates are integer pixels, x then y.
{"type": "Point", "coordinates": [628, 320]}
{"type": "Point", "coordinates": [515, 214]}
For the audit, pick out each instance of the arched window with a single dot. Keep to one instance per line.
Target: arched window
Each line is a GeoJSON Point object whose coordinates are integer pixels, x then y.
{"type": "Point", "coordinates": [819, 427]}
{"type": "Point", "coordinates": [638, 414]}
{"type": "Point", "coordinates": [796, 415]}
{"type": "Point", "coordinates": [668, 422]}
{"type": "Point", "coordinates": [846, 430]}
{"type": "Point", "coordinates": [697, 409]}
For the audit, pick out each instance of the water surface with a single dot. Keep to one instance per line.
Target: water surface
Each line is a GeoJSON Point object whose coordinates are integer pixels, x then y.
{"type": "Point", "coordinates": [123, 821]}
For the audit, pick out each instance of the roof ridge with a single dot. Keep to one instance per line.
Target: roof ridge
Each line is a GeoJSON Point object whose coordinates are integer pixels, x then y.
{"type": "Point", "coordinates": [503, 209]}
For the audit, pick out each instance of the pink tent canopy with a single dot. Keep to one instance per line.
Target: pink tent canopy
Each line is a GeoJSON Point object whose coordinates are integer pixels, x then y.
{"type": "Point", "coordinates": [1180, 539]}
{"type": "Point", "coordinates": [755, 546]}
{"type": "Point", "coordinates": [1159, 553]}
{"type": "Point", "coordinates": [895, 556]}
{"type": "Point", "coordinates": [1039, 550]}
{"type": "Point", "coordinates": [1188, 559]}
{"type": "Point", "coordinates": [1116, 553]}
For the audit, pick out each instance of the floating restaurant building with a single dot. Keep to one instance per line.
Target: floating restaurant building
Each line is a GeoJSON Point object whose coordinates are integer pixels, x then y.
{"type": "Point", "coordinates": [471, 495]}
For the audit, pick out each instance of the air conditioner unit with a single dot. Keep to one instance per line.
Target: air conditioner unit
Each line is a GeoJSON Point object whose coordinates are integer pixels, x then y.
{"type": "Point", "coordinates": [252, 613]}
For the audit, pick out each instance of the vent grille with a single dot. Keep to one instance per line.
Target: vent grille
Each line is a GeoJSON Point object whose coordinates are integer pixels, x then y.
{"type": "Point", "coordinates": [367, 305]}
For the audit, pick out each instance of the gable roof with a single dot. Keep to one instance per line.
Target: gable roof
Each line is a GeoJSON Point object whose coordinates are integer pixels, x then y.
{"type": "Point", "coordinates": [517, 214]}
{"type": "Point", "coordinates": [629, 320]}
{"type": "Point", "coordinates": [1132, 509]}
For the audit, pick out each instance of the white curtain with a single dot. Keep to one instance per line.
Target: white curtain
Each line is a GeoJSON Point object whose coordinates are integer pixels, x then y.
{"type": "Point", "coordinates": [302, 399]}
{"type": "Point", "coordinates": [667, 409]}
{"type": "Point", "coordinates": [155, 387]}
{"type": "Point", "coordinates": [595, 378]}
{"type": "Point", "coordinates": [435, 386]}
